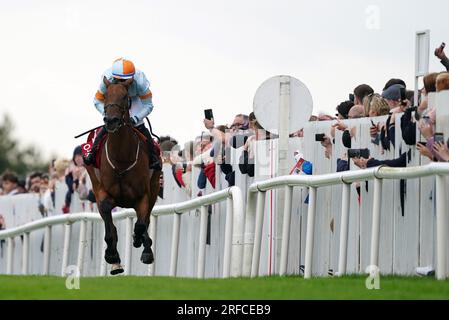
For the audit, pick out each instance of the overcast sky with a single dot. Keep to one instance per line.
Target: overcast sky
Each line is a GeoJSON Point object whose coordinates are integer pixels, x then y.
{"type": "Point", "coordinates": [198, 54]}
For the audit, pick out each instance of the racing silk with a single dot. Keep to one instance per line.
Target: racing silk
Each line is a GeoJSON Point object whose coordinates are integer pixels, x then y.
{"type": "Point", "coordinates": [139, 92]}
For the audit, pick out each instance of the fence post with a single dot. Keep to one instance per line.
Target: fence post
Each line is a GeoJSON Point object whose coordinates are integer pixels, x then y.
{"type": "Point", "coordinates": [248, 247]}
{"type": "Point", "coordinates": [344, 228]}
{"type": "Point", "coordinates": [103, 247]}
{"type": "Point", "coordinates": [175, 244]}
{"type": "Point", "coordinates": [47, 242]}
{"type": "Point", "coordinates": [441, 223]}
{"type": "Point", "coordinates": [375, 229]}
{"type": "Point", "coordinates": [66, 248]}
{"type": "Point", "coordinates": [25, 253]}
{"type": "Point", "coordinates": [153, 224]}
{"type": "Point", "coordinates": [81, 246]}
{"type": "Point", "coordinates": [228, 238]}
{"type": "Point", "coordinates": [258, 234]}
{"type": "Point", "coordinates": [310, 232]}
{"type": "Point", "coordinates": [9, 255]}
{"type": "Point", "coordinates": [202, 243]}
{"type": "Point", "coordinates": [128, 245]}
{"type": "Point", "coordinates": [286, 229]}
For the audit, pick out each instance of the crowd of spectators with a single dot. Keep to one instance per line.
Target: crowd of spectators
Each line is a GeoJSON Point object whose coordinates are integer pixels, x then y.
{"type": "Point", "coordinates": [209, 151]}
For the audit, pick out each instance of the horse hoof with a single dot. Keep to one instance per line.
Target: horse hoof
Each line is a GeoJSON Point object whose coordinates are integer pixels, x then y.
{"type": "Point", "coordinates": [147, 258]}
{"type": "Point", "coordinates": [116, 269]}
{"type": "Point", "coordinates": [112, 258]}
{"type": "Point", "coordinates": [137, 243]}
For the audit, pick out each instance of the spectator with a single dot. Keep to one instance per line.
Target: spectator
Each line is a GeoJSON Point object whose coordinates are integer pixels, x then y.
{"type": "Point", "coordinates": [393, 97]}
{"type": "Point", "coordinates": [439, 52]}
{"type": "Point", "coordinates": [75, 179]}
{"type": "Point", "coordinates": [343, 109]}
{"type": "Point", "coordinates": [374, 106]}
{"type": "Point", "coordinates": [10, 184]}
{"type": "Point", "coordinates": [393, 82]}
{"type": "Point", "coordinates": [236, 137]}
{"type": "Point", "coordinates": [34, 182]}
{"type": "Point", "coordinates": [361, 92]}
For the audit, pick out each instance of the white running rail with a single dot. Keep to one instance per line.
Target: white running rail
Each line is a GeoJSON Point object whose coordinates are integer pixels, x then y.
{"type": "Point", "coordinates": [234, 212]}
{"type": "Point", "coordinates": [256, 204]}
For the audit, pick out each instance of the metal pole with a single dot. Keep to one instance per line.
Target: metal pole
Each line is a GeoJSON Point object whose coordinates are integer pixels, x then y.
{"type": "Point", "coordinates": [286, 229]}
{"type": "Point", "coordinates": [25, 252]}
{"type": "Point", "coordinates": [47, 241]}
{"type": "Point", "coordinates": [128, 245]}
{"type": "Point", "coordinates": [258, 234]}
{"type": "Point", "coordinates": [175, 244]}
{"type": "Point", "coordinates": [441, 223]}
{"type": "Point", "coordinates": [344, 227]}
{"type": "Point", "coordinates": [310, 232]}
{"type": "Point", "coordinates": [228, 238]}
{"type": "Point", "coordinates": [66, 248]}
{"type": "Point", "coordinates": [153, 224]}
{"type": "Point", "coordinates": [202, 243]}
{"type": "Point", "coordinates": [9, 255]}
{"type": "Point", "coordinates": [375, 229]}
{"type": "Point", "coordinates": [82, 246]}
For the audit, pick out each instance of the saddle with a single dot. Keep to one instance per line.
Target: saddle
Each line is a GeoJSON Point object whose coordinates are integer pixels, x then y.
{"type": "Point", "coordinates": [87, 147]}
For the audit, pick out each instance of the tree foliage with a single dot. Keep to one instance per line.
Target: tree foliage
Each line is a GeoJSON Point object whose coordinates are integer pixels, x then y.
{"type": "Point", "coordinates": [13, 156]}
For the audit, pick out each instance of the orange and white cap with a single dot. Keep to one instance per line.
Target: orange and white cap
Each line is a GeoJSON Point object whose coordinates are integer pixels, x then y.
{"type": "Point", "coordinates": [123, 69]}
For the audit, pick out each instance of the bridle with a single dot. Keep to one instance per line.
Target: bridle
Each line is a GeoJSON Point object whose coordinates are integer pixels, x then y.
{"type": "Point", "coordinates": [124, 110]}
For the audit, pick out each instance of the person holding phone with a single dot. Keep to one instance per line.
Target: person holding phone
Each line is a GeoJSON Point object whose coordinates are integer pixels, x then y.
{"type": "Point", "coordinates": [439, 52]}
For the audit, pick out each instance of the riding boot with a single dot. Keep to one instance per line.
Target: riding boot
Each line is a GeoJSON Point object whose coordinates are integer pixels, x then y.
{"type": "Point", "coordinates": [90, 159]}
{"type": "Point", "coordinates": [155, 162]}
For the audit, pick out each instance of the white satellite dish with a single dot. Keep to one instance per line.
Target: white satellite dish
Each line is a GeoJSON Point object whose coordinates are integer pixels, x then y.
{"type": "Point", "coordinates": [267, 99]}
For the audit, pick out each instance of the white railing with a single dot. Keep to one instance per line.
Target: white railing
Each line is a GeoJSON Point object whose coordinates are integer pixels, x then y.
{"type": "Point", "coordinates": [256, 205]}
{"type": "Point", "coordinates": [234, 213]}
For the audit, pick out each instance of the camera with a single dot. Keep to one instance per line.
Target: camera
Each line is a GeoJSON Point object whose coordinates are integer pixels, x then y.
{"type": "Point", "coordinates": [319, 137]}
{"type": "Point", "coordinates": [438, 137]}
{"type": "Point", "coordinates": [358, 153]}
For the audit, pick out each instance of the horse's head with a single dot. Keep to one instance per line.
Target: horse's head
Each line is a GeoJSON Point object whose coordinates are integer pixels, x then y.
{"type": "Point", "coordinates": [116, 104]}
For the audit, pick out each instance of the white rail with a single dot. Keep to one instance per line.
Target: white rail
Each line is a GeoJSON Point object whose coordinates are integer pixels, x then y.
{"type": "Point", "coordinates": [255, 212]}
{"type": "Point", "coordinates": [234, 211]}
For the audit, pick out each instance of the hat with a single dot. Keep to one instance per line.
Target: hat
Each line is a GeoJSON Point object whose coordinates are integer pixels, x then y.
{"type": "Point", "coordinates": [344, 107]}
{"type": "Point", "coordinates": [123, 69]}
{"type": "Point", "coordinates": [393, 92]}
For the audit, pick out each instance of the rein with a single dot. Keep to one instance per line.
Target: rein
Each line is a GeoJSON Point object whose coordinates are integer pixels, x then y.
{"type": "Point", "coordinates": [131, 166]}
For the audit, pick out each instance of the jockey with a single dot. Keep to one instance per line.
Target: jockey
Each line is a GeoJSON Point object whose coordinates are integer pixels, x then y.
{"type": "Point", "coordinates": [141, 105]}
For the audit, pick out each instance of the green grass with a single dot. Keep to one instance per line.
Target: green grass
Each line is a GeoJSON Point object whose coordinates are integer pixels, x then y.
{"type": "Point", "coordinates": [352, 287]}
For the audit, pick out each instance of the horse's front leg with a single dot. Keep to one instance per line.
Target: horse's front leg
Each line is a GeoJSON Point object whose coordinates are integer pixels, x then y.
{"type": "Point", "coordinates": [141, 230]}
{"type": "Point", "coordinates": [105, 206]}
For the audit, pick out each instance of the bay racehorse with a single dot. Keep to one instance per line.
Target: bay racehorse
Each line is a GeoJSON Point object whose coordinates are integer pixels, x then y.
{"type": "Point", "coordinates": [124, 178]}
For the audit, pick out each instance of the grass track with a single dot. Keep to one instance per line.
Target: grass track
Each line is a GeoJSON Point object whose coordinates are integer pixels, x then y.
{"type": "Point", "coordinates": [352, 287]}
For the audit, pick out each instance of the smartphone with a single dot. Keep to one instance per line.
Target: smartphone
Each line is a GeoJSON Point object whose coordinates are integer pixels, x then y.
{"type": "Point", "coordinates": [319, 137]}
{"type": "Point", "coordinates": [443, 45]}
{"type": "Point", "coordinates": [403, 94]}
{"type": "Point", "coordinates": [438, 137]}
{"type": "Point", "coordinates": [208, 114]}
{"type": "Point", "coordinates": [351, 97]}
{"type": "Point", "coordinates": [372, 122]}
{"type": "Point", "coordinates": [424, 143]}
